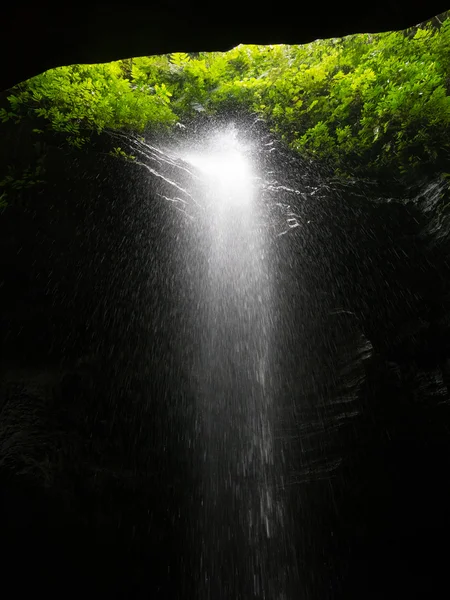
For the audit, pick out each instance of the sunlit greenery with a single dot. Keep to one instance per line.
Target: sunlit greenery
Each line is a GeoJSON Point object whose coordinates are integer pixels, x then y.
{"type": "Point", "coordinates": [80, 99]}
{"type": "Point", "coordinates": [366, 103]}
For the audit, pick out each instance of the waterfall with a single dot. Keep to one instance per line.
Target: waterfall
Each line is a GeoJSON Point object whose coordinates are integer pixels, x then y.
{"type": "Point", "coordinates": [241, 517]}
{"type": "Point", "coordinates": [238, 197]}
{"type": "Point", "coordinates": [265, 411]}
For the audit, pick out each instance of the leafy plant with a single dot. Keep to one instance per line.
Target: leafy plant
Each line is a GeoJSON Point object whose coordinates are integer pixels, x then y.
{"type": "Point", "coordinates": [82, 99]}
{"type": "Point", "coordinates": [366, 102]}
{"type": "Point", "coordinates": [119, 153]}
{"type": "Point", "coordinates": [25, 179]}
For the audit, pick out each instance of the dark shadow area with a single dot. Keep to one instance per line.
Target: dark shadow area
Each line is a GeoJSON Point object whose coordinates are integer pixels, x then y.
{"type": "Point", "coordinates": [73, 33]}
{"type": "Point", "coordinates": [99, 488]}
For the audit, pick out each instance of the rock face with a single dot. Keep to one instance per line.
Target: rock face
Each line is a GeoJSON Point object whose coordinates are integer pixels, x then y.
{"type": "Point", "coordinates": [65, 36]}
{"type": "Point", "coordinates": [379, 404]}
{"type": "Point", "coordinates": [97, 480]}
{"type": "Point", "coordinates": [82, 412]}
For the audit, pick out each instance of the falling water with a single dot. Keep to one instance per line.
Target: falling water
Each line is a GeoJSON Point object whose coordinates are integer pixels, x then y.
{"type": "Point", "coordinates": [257, 419]}
{"type": "Point", "coordinates": [240, 515]}
{"type": "Point", "coordinates": [239, 522]}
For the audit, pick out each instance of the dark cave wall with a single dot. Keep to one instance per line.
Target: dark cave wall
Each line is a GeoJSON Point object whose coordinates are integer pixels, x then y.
{"type": "Point", "coordinates": [87, 385]}
{"type": "Point", "coordinates": [101, 33]}
{"type": "Point", "coordinates": [96, 478]}
{"type": "Point", "coordinates": [90, 487]}
{"type": "Point", "coordinates": [367, 435]}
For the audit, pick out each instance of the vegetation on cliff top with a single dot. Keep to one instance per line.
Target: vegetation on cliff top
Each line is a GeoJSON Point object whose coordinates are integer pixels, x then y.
{"type": "Point", "coordinates": [365, 103]}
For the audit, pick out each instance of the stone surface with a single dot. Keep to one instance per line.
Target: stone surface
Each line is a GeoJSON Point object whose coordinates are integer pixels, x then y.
{"type": "Point", "coordinates": [97, 484]}
{"type": "Point", "coordinates": [36, 37]}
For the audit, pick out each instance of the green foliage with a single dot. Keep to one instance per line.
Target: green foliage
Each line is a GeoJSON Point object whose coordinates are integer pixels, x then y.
{"type": "Point", "coordinates": [18, 180]}
{"type": "Point", "coordinates": [81, 99]}
{"type": "Point", "coordinates": [179, 58]}
{"type": "Point", "coordinates": [364, 102]}
{"type": "Point", "coordinates": [25, 179]}
{"type": "Point", "coordinates": [119, 153]}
